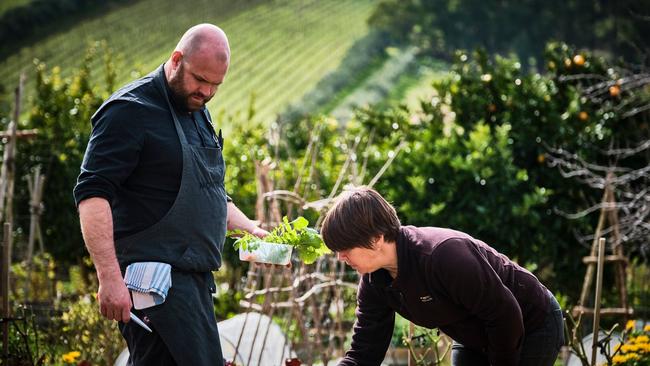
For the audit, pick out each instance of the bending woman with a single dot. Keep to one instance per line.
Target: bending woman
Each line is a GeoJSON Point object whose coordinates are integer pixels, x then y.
{"type": "Point", "coordinates": [497, 312]}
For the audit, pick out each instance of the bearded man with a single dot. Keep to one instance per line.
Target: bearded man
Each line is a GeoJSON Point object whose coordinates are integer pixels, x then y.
{"type": "Point", "coordinates": [153, 207]}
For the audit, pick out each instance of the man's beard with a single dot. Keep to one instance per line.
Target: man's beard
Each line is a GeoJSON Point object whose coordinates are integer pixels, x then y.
{"type": "Point", "coordinates": [179, 94]}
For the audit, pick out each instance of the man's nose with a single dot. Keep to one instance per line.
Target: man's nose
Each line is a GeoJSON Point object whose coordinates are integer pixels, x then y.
{"type": "Point", "coordinates": [206, 90]}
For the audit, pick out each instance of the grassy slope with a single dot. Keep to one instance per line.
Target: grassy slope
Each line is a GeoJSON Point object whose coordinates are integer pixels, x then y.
{"type": "Point", "coordinates": [280, 48]}
{"type": "Point", "coordinates": [401, 79]}
{"type": "Point", "coordinates": [417, 85]}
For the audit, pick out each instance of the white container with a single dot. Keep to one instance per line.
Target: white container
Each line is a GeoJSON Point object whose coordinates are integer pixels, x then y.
{"type": "Point", "coordinates": [264, 252]}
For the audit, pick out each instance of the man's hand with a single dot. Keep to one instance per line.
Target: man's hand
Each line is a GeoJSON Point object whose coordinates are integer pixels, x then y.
{"type": "Point", "coordinates": [259, 232]}
{"type": "Point", "coordinates": [114, 300]}
{"type": "Point", "coordinates": [97, 229]}
{"type": "Point", "coordinates": [237, 220]}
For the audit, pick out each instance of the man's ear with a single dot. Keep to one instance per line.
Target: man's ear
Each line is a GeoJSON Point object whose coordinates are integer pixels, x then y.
{"type": "Point", "coordinates": [176, 58]}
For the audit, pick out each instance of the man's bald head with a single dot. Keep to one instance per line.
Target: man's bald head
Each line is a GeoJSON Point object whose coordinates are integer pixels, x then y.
{"type": "Point", "coordinates": [205, 40]}
{"type": "Point", "coordinates": [198, 66]}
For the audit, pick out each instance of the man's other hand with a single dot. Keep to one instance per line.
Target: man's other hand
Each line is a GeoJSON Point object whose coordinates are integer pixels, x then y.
{"type": "Point", "coordinates": [114, 300]}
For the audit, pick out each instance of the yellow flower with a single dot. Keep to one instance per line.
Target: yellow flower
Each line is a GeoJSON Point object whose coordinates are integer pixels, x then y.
{"type": "Point", "coordinates": [618, 359]}
{"type": "Point", "coordinates": [646, 328]}
{"type": "Point", "coordinates": [629, 325]}
{"type": "Point", "coordinates": [642, 339]}
{"type": "Point", "coordinates": [629, 348]}
{"type": "Point", "coordinates": [644, 348]}
{"type": "Point", "coordinates": [71, 357]}
{"type": "Point", "coordinates": [622, 359]}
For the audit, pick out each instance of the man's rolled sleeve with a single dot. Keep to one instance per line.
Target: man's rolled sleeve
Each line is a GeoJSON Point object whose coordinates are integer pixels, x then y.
{"type": "Point", "coordinates": [113, 151]}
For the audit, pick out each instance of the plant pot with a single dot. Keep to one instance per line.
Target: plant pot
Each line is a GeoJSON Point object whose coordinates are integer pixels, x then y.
{"type": "Point", "coordinates": [263, 252]}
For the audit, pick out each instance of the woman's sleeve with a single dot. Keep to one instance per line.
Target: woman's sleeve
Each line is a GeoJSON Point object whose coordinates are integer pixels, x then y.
{"type": "Point", "coordinates": [373, 328]}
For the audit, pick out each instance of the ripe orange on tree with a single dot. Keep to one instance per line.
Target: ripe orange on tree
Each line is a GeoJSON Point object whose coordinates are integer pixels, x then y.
{"type": "Point", "coordinates": [579, 60]}
{"type": "Point", "coordinates": [583, 116]}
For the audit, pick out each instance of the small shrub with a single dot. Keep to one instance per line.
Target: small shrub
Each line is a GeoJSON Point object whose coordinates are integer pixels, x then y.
{"type": "Point", "coordinates": [86, 331]}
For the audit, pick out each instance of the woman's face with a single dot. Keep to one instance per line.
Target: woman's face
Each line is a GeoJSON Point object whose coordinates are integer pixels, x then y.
{"type": "Point", "coordinates": [363, 260]}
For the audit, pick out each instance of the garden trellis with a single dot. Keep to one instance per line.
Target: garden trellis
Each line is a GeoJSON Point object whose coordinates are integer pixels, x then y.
{"type": "Point", "coordinates": [617, 166]}
{"type": "Point", "coordinates": [622, 173]}
{"type": "Point", "coordinates": [608, 213]}
{"type": "Point", "coordinates": [618, 171]}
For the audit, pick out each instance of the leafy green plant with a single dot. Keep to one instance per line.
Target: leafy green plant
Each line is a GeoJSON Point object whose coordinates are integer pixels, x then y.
{"type": "Point", "coordinates": [306, 240]}
{"type": "Point", "coordinates": [96, 339]}
{"type": "Point", "coordinates": [435, 346]}
{"type": "Point", "coordinates": [25, 341]}
{"type": "Point", "coordinates": [35, 284]}
{"type": "Point", "coordinates": [61, 112]}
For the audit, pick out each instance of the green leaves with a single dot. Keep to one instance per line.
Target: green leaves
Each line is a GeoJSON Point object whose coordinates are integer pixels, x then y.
{"type": "Point", "coordinates": [61, 111]}
{"type": "Point", "coordinates": [311, 246]}
{"type": "Point", "coordinates": [299, 223]}
{"type": "Point", "coordinates": [306, 240]}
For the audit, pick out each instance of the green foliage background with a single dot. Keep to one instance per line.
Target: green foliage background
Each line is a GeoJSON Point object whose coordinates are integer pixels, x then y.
{"type": "Point", "coordinates": [61, 112]}
{"type": "Point", "coordinates": [472, 156]}
{"type": "Point", "coordinates": [524, 27]}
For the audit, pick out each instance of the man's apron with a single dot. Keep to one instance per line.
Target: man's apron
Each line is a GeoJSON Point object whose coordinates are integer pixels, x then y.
{"type": "Point", "coordinates": [189, 237]}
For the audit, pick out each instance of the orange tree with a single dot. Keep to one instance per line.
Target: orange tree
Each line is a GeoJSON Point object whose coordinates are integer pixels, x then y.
{"type": "Point", "coordinates": [475, 156]}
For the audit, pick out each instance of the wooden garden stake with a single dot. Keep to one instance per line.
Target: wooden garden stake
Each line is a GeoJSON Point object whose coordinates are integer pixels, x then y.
{"type": "Point", "coordinates": [412, 361]}
{"type": "Point", "coordinates": [7, 170]}
{"type": "Point", "coordinates": [6, 313]}
{"type": "Point", "coordinates": [35, 209]}
{"type": "Point", "coordinates": [599, 288]}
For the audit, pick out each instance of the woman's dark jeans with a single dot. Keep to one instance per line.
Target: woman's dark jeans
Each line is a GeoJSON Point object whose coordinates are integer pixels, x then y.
{"type": "Point", "coordinates": [541, 347]}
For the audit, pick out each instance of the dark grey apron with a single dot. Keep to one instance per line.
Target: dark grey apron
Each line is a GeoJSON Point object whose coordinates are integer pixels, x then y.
{"type": "Point", "coordinates": [189, 237]}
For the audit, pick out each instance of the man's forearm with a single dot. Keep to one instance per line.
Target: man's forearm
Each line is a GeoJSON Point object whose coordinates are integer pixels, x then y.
{"type": "Point", "coordinates": [237, 220]}
{"type": "Point", "coordinates": [97, 230]}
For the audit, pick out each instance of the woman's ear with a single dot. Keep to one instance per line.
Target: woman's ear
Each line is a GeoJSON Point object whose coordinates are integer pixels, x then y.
{"type": "Point", "coordinates": [378, 241]}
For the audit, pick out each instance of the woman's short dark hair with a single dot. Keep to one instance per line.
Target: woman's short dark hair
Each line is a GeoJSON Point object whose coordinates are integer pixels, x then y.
{"type": "Point", "coordinates": [359, 216]}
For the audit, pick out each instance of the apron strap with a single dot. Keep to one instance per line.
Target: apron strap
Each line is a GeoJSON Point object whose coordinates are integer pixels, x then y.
{"type": "Point", "coordinates": [218, 137]}
{"type": "Point", "coordinates": [177, 124]}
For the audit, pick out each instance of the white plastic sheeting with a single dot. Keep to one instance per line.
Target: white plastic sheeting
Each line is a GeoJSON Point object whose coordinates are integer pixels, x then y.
{"type": "Point", "coordinates": [587, 343]}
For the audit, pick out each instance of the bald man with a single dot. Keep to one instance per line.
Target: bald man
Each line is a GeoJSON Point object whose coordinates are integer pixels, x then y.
{"type": "Point", "coordinates": [151, 189]}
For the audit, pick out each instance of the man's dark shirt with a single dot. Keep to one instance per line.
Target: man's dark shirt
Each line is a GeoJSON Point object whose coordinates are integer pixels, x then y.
{"type": "Point", "coordinates": [134, 158]}
{"type": "Point", "coordinates": [448, 280]}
